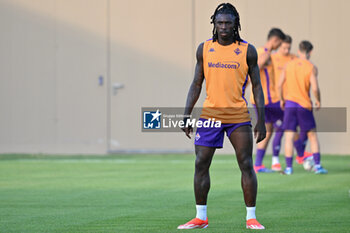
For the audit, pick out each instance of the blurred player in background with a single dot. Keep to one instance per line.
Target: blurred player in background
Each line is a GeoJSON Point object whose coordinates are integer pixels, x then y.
{"type": "Point", "coordinates": [273, 112]}
{"type": "Point", "coordinates": [225, 62]}
{"type": "Point", "coordinates": [298, 76]}
{"type": "Point", "coordinates": [279, 60]}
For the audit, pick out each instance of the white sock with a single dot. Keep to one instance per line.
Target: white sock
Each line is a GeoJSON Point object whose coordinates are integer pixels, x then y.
{"type": "Point", "coordinates": [201, 212]}
{"type": "Point", "coordinates": [250, 212]}
{"type": "Point", "coordinates": [275, 160]}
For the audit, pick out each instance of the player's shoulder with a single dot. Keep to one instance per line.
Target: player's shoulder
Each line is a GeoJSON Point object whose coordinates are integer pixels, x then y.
{"type": "Point", "coordinates": [201, 45]}
{"type": "Point", "coordinates": [314, 68]}
{"type": "Point", "coordinates": [251, 51]}
{"type": "Point", "coordinates": [208, 41]}
{"type": "Point", "coordinates": [199, 52]}
{"type": "Point", "coordinates": [243, 43]}
{"type": "Point", "coordinates": [205, 44]}
{"type": "Point", "coordinates": [293, 63]}
{"type": "Point", "coordinates": [310, 65]}
{"type": "Point", "coordinates": [249, 45]}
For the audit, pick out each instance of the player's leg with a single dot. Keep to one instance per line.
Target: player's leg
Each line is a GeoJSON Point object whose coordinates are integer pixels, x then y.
{"type": "Point", "coordinates": [261, 147]}
{"type": "Point", "coordinates": [276, 143]}
{"type": "Point", "coordinates": [242, 141]}
{"type": "Point", "coordinates": [315, 149]}
{"type": "Point", "coordinates": [261, 150]}
{"type": "Point", "coordinates": [290, 122]}
{"type": "Point", "coordinates": [314, 144]}
{"type": "Point", "coordinates": [206, 142]}
{"type": "Point", "coordinates": [300, 141]}
{"type": "Point", "coordinates": [289, 135]}
{"type": "Point", "coordinates": [276, 146]}
{"type": "Point", "coordinates": [308, 124]}
{"type": "Point", "coordinates": [277, 119]}
{"type": "Point", "coordinates": [204, 156]}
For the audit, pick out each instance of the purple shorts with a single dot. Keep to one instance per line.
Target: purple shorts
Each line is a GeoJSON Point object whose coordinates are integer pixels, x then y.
{"type": "Point", "coordinates": [273, 114]}
{"type": "Point", "coordinates": [295, 115]}
{"type": "Point", "coordinates": [214, 137]}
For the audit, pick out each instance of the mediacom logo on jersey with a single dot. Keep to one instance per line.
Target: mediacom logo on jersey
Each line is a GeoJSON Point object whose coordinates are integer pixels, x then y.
{"type": "Point", "coordinates": [227, 65]}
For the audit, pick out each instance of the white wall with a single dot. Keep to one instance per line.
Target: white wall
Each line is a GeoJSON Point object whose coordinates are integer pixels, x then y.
{"type": "Point", "coordinates": [52, 55]}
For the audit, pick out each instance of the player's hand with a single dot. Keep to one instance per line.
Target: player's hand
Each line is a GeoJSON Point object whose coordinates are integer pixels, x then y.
{"type": "Point", "coordinates": [259, 132]}
{"type": "Point", "coordinates": [282, 104]}
{"type": "Point", "coordinates": [188, 131]}
{"type": "Point", "coordinates": [317, 105]}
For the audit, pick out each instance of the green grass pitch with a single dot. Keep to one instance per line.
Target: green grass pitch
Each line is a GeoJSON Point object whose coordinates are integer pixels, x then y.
{"type": "Point", "coordinates": [154, 193]}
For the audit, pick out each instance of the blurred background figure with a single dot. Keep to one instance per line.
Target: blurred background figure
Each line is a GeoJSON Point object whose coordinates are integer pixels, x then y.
{"type": "Point", "coordinates": [300, 76]}
{"type": "Point", "coordinates": [273, 113]}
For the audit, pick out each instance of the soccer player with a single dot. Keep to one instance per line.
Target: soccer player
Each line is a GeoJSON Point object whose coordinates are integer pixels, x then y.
{"type": "Point", "coordinates": [273, 112]}
{"type": "Point", "coordinates": [225, 62]}
{"type": "Point", "coordinates": [279, 61]}
{"type": "Point", "coordinates": [298, 76]}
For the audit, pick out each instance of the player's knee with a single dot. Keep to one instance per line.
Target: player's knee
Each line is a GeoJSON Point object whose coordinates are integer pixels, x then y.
{"type": "Point", "coordinates": [311, 133]}
{"type": "Point", "coordinates": [246, 165]}
{"type": "Point", "coordinates": [202, 163]}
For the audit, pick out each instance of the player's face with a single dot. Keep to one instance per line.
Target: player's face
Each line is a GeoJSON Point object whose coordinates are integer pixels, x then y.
{"type": "Point", "coordinates": [284, 49]}
{"type": "Point", "coordinates": [224, 24]}
{"type": "Point", "coordinates": [276, 42]}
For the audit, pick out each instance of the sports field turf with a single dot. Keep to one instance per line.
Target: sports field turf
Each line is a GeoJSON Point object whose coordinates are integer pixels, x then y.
{"type": "Point", "coordinates": [153, 193]}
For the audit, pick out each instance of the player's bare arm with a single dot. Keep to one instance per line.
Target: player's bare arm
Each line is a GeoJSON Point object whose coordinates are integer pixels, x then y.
{"type": "Point", "coordinates": [264, 59]}
{"type": "Point", "coordinates": [280, 88]}
{"type": "Point", "coordinates": [254, 73]}
{"type": "Point", "coordinates": [315, 88]}
{"type": "Point", "coordinates": [195, 89]}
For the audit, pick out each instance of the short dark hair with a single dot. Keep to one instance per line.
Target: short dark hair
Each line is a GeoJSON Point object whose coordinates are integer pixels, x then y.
{"type": "Point", "coordinates": [276, 32]}
{"type": "Point", "coordinates": [305, 46]}
{"type": "Point", "coordinates": [288, 39]}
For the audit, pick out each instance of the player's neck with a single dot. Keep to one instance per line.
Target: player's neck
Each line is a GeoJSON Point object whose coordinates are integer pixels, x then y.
{"type": "Point", "coordinates": [304, 56]}
{"type": "Point", "coordinates": [224, 42]}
